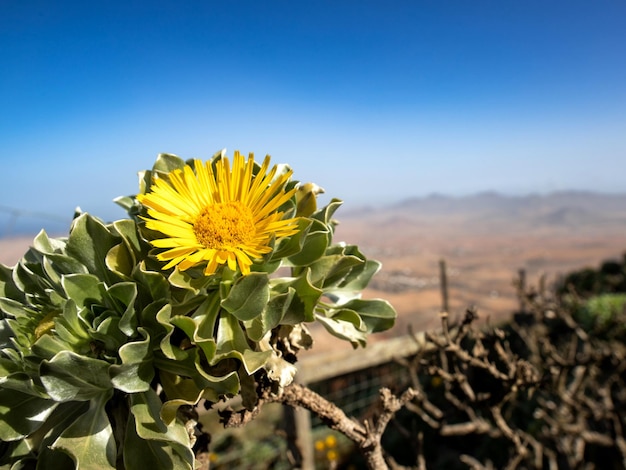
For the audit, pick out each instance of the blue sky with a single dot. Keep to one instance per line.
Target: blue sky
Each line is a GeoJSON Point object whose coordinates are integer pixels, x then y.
{"type": "Point", "coordinates": [375, 101]}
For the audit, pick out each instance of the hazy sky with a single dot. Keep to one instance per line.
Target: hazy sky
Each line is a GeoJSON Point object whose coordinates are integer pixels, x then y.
{"type": "Point", "coordinates": [373, 100]}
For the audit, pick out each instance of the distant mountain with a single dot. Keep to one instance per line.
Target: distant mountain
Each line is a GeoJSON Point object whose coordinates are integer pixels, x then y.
{"type": "Point", "coordinates": [496, 211]}
{"type": "Point", "coordinates": [490, 201]}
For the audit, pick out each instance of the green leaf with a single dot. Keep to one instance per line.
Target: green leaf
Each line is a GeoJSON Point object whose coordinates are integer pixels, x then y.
{"type": "Point", "coordinates": [70, 327]}
{"type": "Point", "coordinates": [16, 309]}
{"type": "Point", "coordinates": [305, 300]}
{"type": "Point", "coordinates": [127, 229]}
{"type": "Point", "coordinates": [377, 314]}
{"type": "Point", "coordinates": [125, 202]}
{"type": "Point", "coordinates": [123, 295]}
{"type": "Point", "coordinates": [357, 280]}
{"type": "Point", "coordinates": [120, 261]}
{"type": "Point", "coordinates": [21, 381]}
{"type": "Point", "coordinates": [332, 269]}
{"type": "Point", "coordinates": [150, 453]}
{"type": "Point", "coordinates": [21, 413]}
{"type": "Point", "coordinates": [168, 444]}
{"type": "Point", "coordinates": [248, 296]}
{"type": "Point", "coordinates": [152, 285]}
{"type": "Point", "coordinates": [325, 214]}
{"type": "Point", "coordinates": [84, 289]}
{"type": "Point", "coordinates": [136, 371]}
{"type": "Point", "coordinates": [167, 163]}
{"type": "Point", "coordinates": [343, 329]}
{"type": "Point", "coordinates": [271, 316]}
{"type": "Point", "coordinates": [89, 242]}
{"type": "Point", "coordinates": [70, 376]}
{"type": "Point", "coordinates": [231, 343]}
{"type": "Point", "coordinates": [8, 288]}
{"type": "Point", "coordinates": [182, 392]}
{"type": "Point", "coordinates": [89, 440]}
{"type": "Point", "coordinates": [56, 265]}
{"type": "Point", "coordinates": [26, 280]}
{"type": "Point", "coordinates": [292, 245]}
{"type": "Point", "coordinates": [314, 245]}
{"type": "Point", "coordinates": [60, 419]}
{"type": "Point", "coordinates": [46, 245]}
{"type": "Point", "coordinates": [17, 455]}
{"type": "Point", "coordinates": [184, 280]}
{"type": "Point", "coordinates": [199, 329]}
{"type": "Point", "coordinates": [48, 346]}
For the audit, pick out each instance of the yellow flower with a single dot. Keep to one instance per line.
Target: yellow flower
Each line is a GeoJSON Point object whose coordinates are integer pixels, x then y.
{"type": "Point", "coordinates": [218, 217]}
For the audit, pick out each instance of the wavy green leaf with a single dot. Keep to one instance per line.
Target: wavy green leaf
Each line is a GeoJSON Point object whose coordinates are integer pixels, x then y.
{"type": "Point", "coordinates": [127, 229]}
{"type": "Point", "coordinates": [89, 242]}
{"type": "Point", "coordinates": [120, 261]}
{"type": "Point", "coordinates": [313, 246]}
{"type": "Point", "coordinates": [21, 413]}
{"type": "Point", "coordinates": [377, 314]}
{"type": "Point", "coordinates": [272, 315]}
{"type": "Point", "coordinates": [333, 269]}
{"type": "Point", "coordinates": [232, 343]}
{"type": "Point", "coordinates": [343, 329]}
{"type": "Point", "coordinates": [306, 297]}
{"type": "Point", "coordinates": [137, 370]}
{"type": "Point", "coordinates": [89, 440]}
{"type": "Point", "coordinates": [70, 376]}
{"type": "Point", "coordinates": [84, 289]}
{"type": "Point", "coordinates": [247, 296]}
{"type": "Point", "coordinates": [326, 213]}
{"type": "Point", "coordinates": [175, 448]}
{"type": "Point", "coordinates": [292, 245]}
{"type": "Point", "coordinates": [46, 245]}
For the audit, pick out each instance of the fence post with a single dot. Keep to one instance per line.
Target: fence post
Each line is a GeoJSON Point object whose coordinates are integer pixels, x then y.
{"type": "Point", "coordinates": [297, 425]}
{"type": "Point", "coordinates": [522, 290]}
{"type": "Point", "coordinates": [443, 280]}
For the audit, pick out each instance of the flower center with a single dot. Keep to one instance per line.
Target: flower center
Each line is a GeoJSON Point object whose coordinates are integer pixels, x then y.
{"type": "Point", "coordinates": [224, 224]}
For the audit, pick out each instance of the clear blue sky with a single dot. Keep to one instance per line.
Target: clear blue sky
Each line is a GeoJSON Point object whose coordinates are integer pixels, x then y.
{"type": "Point", "coordinates": [375, 101]}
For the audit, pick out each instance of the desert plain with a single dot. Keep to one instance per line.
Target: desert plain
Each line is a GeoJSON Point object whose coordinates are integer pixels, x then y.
{"type": "Point", "coordinates": [484, 239]}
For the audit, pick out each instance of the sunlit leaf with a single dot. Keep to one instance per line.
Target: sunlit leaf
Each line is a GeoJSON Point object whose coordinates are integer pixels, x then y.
{"type": "Point", "coordinates": [89, 440]}
{"type": "Point", "coordinates": [70, 376]}
{"type": "Point", "coordinates": [248, 296]}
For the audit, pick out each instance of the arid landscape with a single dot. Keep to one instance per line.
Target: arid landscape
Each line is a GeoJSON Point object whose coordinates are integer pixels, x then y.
{"type": "Point", "coordinates": [484, 239]}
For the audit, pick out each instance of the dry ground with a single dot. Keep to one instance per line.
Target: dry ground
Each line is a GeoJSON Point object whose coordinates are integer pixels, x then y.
{"type": "Point", "coordinates": [482, 263]}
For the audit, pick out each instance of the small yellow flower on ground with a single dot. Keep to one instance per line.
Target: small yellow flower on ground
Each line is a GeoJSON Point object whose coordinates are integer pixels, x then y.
{"type": "Point", "coordinates": [222, 216]}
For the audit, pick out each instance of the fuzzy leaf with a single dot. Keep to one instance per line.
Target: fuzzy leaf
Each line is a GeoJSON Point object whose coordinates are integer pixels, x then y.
{"type": "Point", "coordinates": [70, 376]}
{"type": "Point", "coordinates": [231, 342]}
{"type": "Point", "coordinates": [89, 440]}
{"type": "Point", "coordinates": [304, 301]}
{"type": "Point", "coordinates": [89, 242]}
{"type": "Point", "coordinates": [271, 316]}
{"type": "Point", "coordinates": [343, 329]}
{"type": "Point", "coordinates": [136, 371]}
{"type": "Point", "coordinates": [248, 296]}
{"type": "Point", "coordinates": [314, 245]}
{"type": "Point", "coordinates": [84, 289]}
{"type": "Point", "coordinates": [153, 439]}
{"type": "Point", "coordinates": [21, 413]}
{"type": "Point", "coordinates": [377, 314]}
